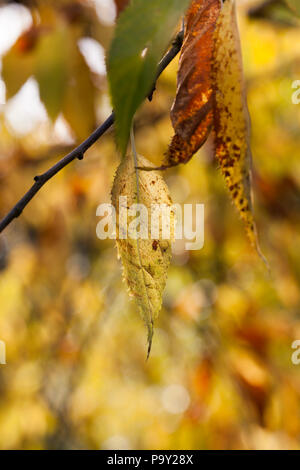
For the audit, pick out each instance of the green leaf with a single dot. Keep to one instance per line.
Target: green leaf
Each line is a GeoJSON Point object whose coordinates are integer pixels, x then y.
{"type": "Point", "coordinates": [294, 6]}
{"type": "Point", "coordinates": [143, 24]}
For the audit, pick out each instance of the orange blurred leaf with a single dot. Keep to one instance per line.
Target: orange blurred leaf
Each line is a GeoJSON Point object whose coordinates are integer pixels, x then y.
{"type": "Point", "coordinates": [18, 63]}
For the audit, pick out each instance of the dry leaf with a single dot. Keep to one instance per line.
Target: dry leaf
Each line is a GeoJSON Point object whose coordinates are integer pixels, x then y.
{"type": "Point", "coordinates": [145, 261]}
{"type": "Point", "coordinates": [191, 113]}
{"type": "Point", "coordinates": [231, 117]}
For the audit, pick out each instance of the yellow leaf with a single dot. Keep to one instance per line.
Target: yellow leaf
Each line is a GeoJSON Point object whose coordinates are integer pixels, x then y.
{"type": "Point", "coordinates": [18, 63]}
{"type": "Point", "coordinates": [231, 117]}
{"type": "Point", "coordinates": [79, 100]}
{"type": "Point", "coordinates": [145, 261]}
{"type": "Point", "coordinates": [51, 71]}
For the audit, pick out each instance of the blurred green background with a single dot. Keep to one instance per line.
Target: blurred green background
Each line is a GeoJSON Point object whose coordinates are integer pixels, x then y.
{"type": "Point", "coordinates": [220, 374]}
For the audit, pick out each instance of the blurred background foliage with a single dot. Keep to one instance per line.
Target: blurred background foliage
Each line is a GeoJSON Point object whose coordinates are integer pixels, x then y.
{"type": "Point", "coordinates": [220, 374]}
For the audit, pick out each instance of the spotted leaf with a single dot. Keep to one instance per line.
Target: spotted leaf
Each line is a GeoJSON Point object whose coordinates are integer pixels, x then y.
{"type": "Point", "coordinates": [231, 117]}
{"type": "Point", "coordinates": [145, 260]}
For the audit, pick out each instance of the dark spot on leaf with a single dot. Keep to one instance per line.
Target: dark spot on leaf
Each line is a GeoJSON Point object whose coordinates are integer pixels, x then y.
{"type": "Point", "coordinates": [154, 245]}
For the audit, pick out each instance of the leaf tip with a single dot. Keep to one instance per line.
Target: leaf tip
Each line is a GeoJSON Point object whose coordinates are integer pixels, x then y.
{"type": "Point", "coordinates": [150, 327]}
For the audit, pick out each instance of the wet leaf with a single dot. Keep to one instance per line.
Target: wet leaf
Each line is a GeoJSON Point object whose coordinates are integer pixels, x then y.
{"type": "Point", "coordinates": [231, 117]}
{"type": "Point", "coordinates": [191, 113]}
{"type": "Point", "coordinates": [143, 33]}
{"type": "Point", "coordinates": [145, 261]}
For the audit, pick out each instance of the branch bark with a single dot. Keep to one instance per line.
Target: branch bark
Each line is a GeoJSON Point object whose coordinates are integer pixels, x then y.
{"type": "Point", "coordinates": [79, 151]}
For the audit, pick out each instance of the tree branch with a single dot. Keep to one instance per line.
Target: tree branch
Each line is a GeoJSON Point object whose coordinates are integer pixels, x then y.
{"type": "Point", "coordinates": [79, 151]}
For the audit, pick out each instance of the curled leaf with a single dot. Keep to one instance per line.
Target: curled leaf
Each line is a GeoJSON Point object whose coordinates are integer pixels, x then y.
{"type": "Point", "coordinates": [231, 116]}
{"type": "Point", "coordinates": [191, 112]}
{"type": "Point", "coordinates": [145, 260]}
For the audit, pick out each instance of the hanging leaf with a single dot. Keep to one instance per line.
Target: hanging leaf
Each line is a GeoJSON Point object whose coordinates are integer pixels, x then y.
{"type": "Point", "coordinates": [231, 117]}
{"type": "Point", "coordinates": [79, 99]}
{"type": "Point", "coordinates": [143, 33]}
{"type": "Point", "coordinates": [18, 63]}
{"type": "Point", "coordinates": [145, 261]}
{"type": "Point", "coordinates": [191, 113]}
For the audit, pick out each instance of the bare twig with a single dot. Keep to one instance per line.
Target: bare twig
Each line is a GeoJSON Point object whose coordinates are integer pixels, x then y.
{"type": "Point", "coordinates": [79, 151]}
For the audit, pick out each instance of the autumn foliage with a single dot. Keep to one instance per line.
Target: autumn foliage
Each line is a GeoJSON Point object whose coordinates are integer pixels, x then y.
{"type": "Point", "coordinates": [223, 370]}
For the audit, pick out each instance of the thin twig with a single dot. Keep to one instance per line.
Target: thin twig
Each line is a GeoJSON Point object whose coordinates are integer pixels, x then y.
{"type": "Point", "coordinates": [79, 151]}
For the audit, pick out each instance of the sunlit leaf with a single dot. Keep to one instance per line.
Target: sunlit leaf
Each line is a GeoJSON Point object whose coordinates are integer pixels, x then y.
{"type": "Point", "coordinates": [145, 261]}
{"type": "Point", "coordinates": [132, 68]}
{"type": "Point", "coordinates": [294, 6]}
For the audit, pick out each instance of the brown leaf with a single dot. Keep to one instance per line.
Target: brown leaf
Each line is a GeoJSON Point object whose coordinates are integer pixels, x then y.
{"type": "Point", "coordinates": [231, 117]}
{"type": "Point", "coordinates": [191, 113]}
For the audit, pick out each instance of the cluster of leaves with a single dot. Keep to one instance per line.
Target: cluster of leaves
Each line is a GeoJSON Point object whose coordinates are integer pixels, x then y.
{"type": "Point", "coordinates": [49, 52]}
{"type": "Point", "coordinates": [210, 96]}
{"type": "Point", "coordinates": [210, 93]}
